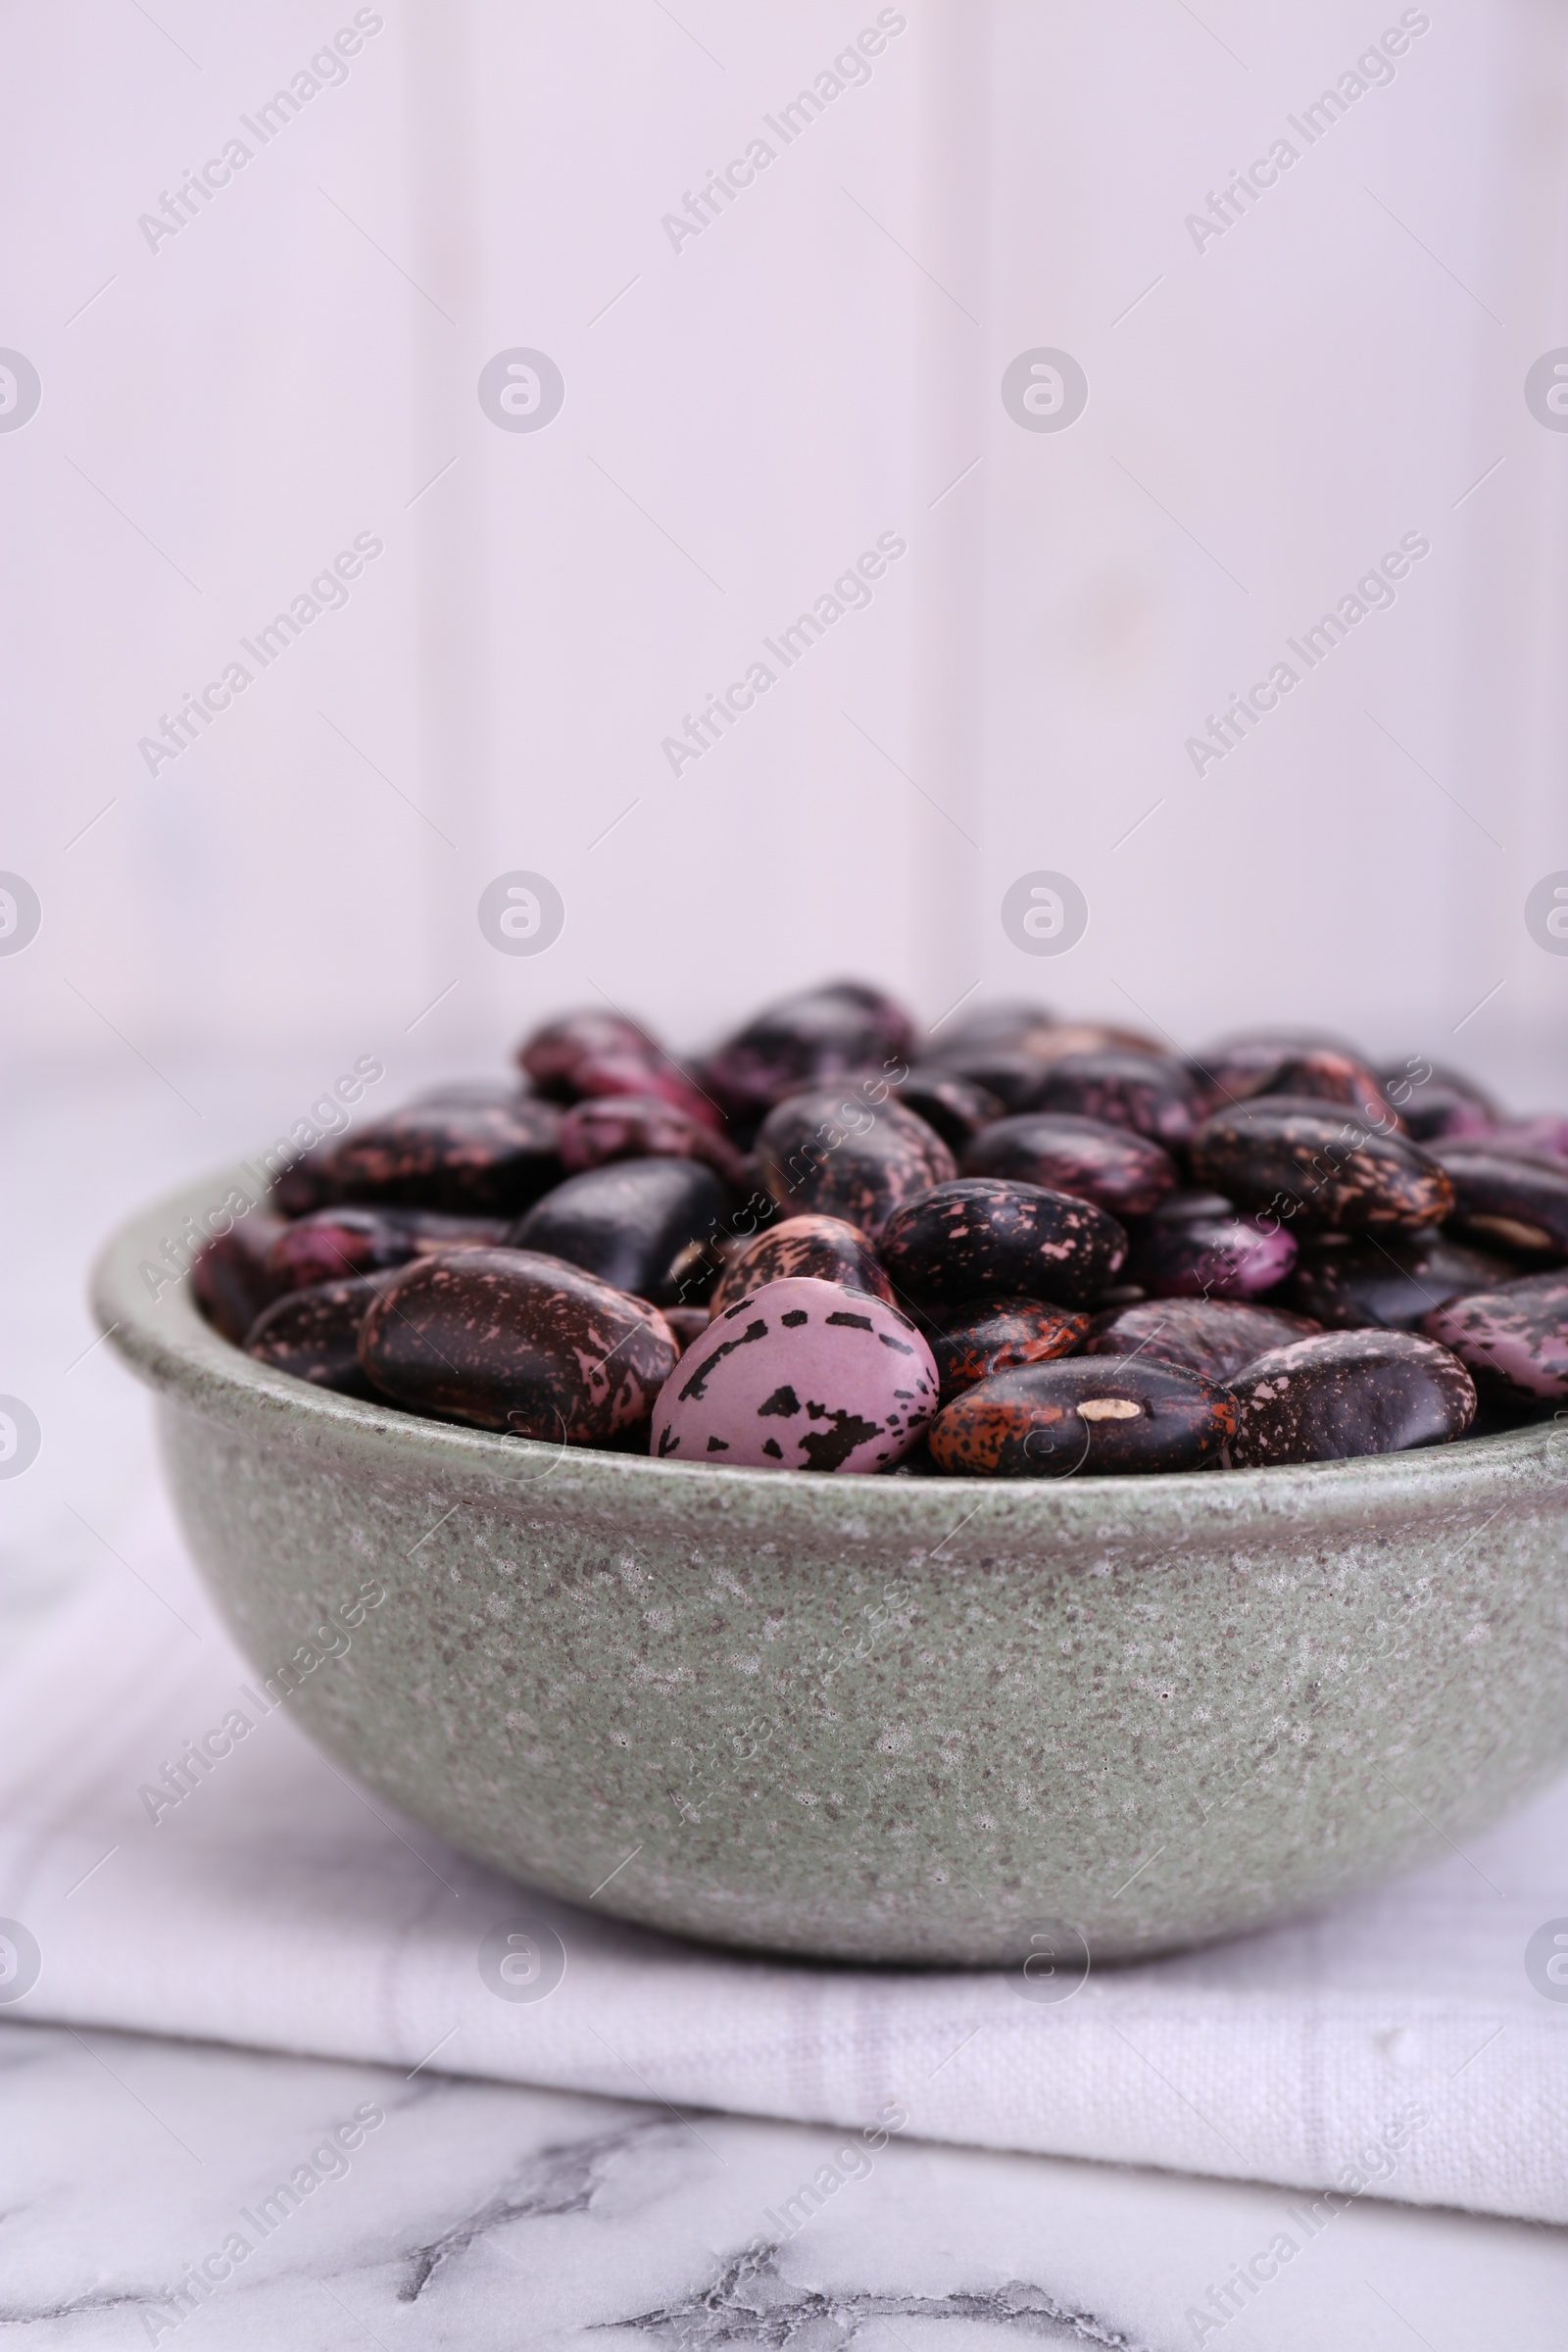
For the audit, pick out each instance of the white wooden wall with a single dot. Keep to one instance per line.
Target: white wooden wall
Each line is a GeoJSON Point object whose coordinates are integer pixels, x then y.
{"type": "Point", "coordinates": [747, 410]}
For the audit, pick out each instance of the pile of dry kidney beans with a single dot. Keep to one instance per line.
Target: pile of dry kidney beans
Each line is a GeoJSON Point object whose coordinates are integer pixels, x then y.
{"type": "Point", "coordinates": [1044, 1249]}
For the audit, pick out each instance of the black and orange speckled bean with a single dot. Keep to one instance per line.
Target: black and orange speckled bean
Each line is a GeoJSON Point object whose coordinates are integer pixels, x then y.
{"type": "Point", "coordinates": [1084, 1414]}
{"type": "Point", "coordinates": [982, 1336]}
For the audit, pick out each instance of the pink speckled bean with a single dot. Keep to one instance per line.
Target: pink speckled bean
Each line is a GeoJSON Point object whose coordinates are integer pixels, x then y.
{"type": "Point", "coordinates": [802, 1375]}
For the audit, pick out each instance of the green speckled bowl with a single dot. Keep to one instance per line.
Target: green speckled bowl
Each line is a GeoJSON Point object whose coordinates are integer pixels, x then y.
{"type": "Point", "coordinates": [882, 1719]}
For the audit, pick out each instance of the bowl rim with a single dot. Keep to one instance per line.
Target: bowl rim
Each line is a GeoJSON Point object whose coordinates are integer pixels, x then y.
{"type": "Point", "coordinates": [167, 1342]}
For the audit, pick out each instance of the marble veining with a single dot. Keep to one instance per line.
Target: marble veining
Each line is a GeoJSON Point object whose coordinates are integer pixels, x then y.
{"type": "Point", "coordinates": [749, 2303]}
{"type": "Point", "coordinates": [488, 2215]}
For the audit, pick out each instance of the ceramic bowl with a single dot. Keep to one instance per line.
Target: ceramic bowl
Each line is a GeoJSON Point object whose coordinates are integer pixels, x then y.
{"type": "Point", "coordinates": [876, 1718]}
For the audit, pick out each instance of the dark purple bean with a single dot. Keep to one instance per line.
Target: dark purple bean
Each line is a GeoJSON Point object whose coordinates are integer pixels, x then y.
{"type": "Point", "coordinates": [1150, 1093]}
{"type": "Point", "coordinates": [688, 1323]}
{"type": "Point", "coordinates": [1290, 1157]}
{"type": "Point", "coordinates": [1349, 1393]}
{"type": "Point", "coordinates": [552, 1055]}
{"type": "Point", "coordinates": [1499, 1198]}
{"type": "Point", "coordinates": [1097, 1415]}
{"type": "Point", "coordinates": [808, 1041]}
{"type": "Point", "coordinates": [1235, 1067]}
{"type": "Point", "coordinates": [982, 1336]}
{"type": "Point", "coordinates": [832, 1151]}
{"type": "Point", "coordinates": [333, 1245]}
{"type": "Point", "coordinates": [609, 1127]}
{"type": "Point", "coordinates": [509, 1339]}
{"type": "Point", "coordinates": [830, 1249]}
{"type": "Point", "coordinates": [314, 1333]}
{"type": "Point", "coordinates": [617, 1076]}
{"type": "Point", "coordinates": [1513, 1336]}
{"type": "Point", "coordinates": [474, 1161]}
{"type": "Point", "coordinates": [589, 1053]}
{"type": "Point", "coordinates": [229, 1276]}
{"type": "Point", "coordinates": [986, 1237]}
{"type": "Point", "coordinates": [1391, 1281]}
{"type": "Point", "coordinates": [1125, 1173]}
{"type": "Point", "coordinates": [957, 1107]}
{"type": "Point", "coordinates": [1212, 1336]}
{"type": "Point", "coordinates": [1438, 1101]}
{"type": "Point", "coordinates": [1327, 1076]}
{"type": "Point", "coordinates": [640, 1225]}
{"type": "Point", "coordinates": [1009, 1076]}
{"type": "Point", "coordinates": [1190, 1256]}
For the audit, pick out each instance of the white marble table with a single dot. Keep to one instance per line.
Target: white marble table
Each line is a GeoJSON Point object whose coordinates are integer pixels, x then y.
{"type": "Point", "coordinates": [482, 2214]}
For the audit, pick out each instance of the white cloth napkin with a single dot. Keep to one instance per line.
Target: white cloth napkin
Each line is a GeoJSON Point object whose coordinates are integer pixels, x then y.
{"type": "Point", "coordinates": [1392, 2046]}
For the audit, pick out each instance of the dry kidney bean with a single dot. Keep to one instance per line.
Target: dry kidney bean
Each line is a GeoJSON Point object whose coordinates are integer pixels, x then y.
{"type": "Point", "coordinates": [510, 1339]}
{"type": "Point", "coordinates": [618, 1078]}
{"type": "Point", "coordinates": [1177, 1254]}
{"type": "Point", "coordinates": [332, 1245]}
{"type": "Point", "coordinates": [1237, 1066]}
{"type": "Point", "coordinates": [1436, 1101]}
{"type": "Point", "coordinates": [586, 1055]}
{"type": "Point", "coordinates": [1125, 1173]}
{"type": "Point", "coordinates": [619, 1185]}
{"type": "Point", "coordinates": [985, 1236]}
{"type": "Point", "coordinates": [1328, 1076]}
{"type": "Point", "coordinates": [471, 1159]}
{"type": "Point", "coordinates": [314, 1333]}
{"type": "Point", "coordinates": [982, 1336]}
{"type": "Point", "coordinates": [1010, 1076]}
{"type": "Point", "coordinates": [1212, 1336]}
{"type": "Point", "coordinates": [610, 1127]}
{"type": "Point", "coordinates": [1349, 1393]}
{"type": "Point", "coordinates": [554, 1054]}
{"type": "Point", "coordinates": [804, 1041]}
{"type": "Point", "coordinates": [1154, 1093]}
{"type": "Point", "coordinates": [833, 1151]}
{"type": "Point", "coordinates": [229, 1276]}
{"type": "Point", "coordinates": [638, 1224]}
{"type": "Point", "coordinates": [1513, 1336]}
{"type": "Point", "coordinates": [957, 1107]}
{"type": "Point", "coordinates": [828, 1248]}
{"type": "Point", "coordinates": [1088, 1414]}
{"type": "Point", "coordinates": [799, 1375]}
{"type": "Point", "coordinates": [688, 1323]}
{"type": "Point", "coordinates": [1288, 1157]}
{"type": "Point", "coordinates": [1520, 1205]}
{"type": "Point", "coordinates": [1392, 1282]}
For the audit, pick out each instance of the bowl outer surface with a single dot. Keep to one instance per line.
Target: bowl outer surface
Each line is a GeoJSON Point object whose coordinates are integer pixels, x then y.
{"type": "Point", "coordinates": [876, 1718]}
